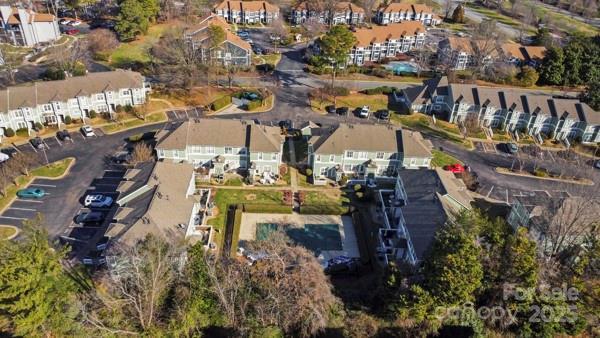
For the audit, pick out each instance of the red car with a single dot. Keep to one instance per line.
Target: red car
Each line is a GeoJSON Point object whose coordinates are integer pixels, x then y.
{"type": "Point", "coordinates": [72, 31]}
{"type": "Point", "coordinates": [455, 168]}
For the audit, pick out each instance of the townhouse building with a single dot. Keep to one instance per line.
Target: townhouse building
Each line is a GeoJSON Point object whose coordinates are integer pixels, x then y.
{"type": "Point", "coordinates": [525, 111]}
{"type": "Point", "coordinates": [24, 27]}
{"type": "Point", "coordinates": [50, 102]}
{"type": "Point", "coordinates": [247, 12]}
{"type": "Point", "coordinates": [519, 55]}
{"type": "Point", "coordinates": [365, 150]}
{"type": "Point", "coordinates": [378, 42]}
{"type": "Point", "coordinates": [399, 12]}
{"type": "Point", "coordinates": [222, 146]}
{"type": "Point", "coordinates": [231, 51]}
{"type": "Point", "coordinates": [343, 13]}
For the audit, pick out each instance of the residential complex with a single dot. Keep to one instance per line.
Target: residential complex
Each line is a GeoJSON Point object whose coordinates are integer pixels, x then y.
{"type": "Point", "coordinates": [343, 13]}
{"type": "Point", "coordinates": [400, 12]}
{"type": "Point", "coordinates": [50, 102]}
{"type": "Point", "coordinates": [520, 55]}
{"type": "Point", "coordinates": [247, 12]}
{"type": "Point", "coordinates": [378, 42]}
{"type": "Point", "coordinates": [364, 150]}
{"type": "Point", "coordinates": [526, 111]}
{"type": "Point", "coordinates": [224, 146]}
{"type": "Point", "coordinates": [24, 27]}
{"type": "Point", "coordinates": [232, 51]}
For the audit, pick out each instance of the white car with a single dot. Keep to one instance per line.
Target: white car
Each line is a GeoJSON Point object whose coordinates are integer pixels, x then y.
{"type": "Point", "coordinates": [87, 131]}
{"type": "Point", "coordinates": [98, 201]}
{"type": "Point", "coordinates": [64, 21]}
{"type": "Point", "coordinates": [274, 37]}
{"type": "Point", "coordinates": [74, 23]}
{"type": "Point", "coordinates": [364, 112]}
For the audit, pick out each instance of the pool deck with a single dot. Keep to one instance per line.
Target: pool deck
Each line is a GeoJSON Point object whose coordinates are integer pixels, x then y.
{"type": "Point", "coordinates": [347, 233]}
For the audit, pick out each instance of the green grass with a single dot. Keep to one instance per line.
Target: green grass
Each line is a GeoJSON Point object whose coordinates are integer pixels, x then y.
{"type": "Point", "coordinates": [137, 51]}
{"type": "Point", "coordinates": [53, 170]}
{"type": "Point", "coordinates": [234, 182]}
{"type": "Point", "coordinates": [565, 22]}
{"type": "Point", "coordinates": [325, 197]}
{"type": "Point", "coordinates": [421, 123]}
{"type": "Point", "coordinates": [303, 180]}
{"type": "Point", "coordinates": [152, 118]}
{"type": "Point", "coordinates": [375, 102]}
{"type": "Point", "coordinates": [493, 15]}
{"type": "Point", "coordinates": [441, 159]}
{"type": "Point", "coordinates": [225, 197]}
{"type": "Point", "coordinates": [6, 232]}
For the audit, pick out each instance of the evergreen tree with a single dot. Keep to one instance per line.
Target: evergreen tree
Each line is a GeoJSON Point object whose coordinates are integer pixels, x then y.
{"type": "Point", "coordinates": [591, 96]}
{"type": "Point", "coordinates": [553, 67]}
{"type": "Point", "coordinates": [528, 76]}
{"type": "Point", "coordinates": [35, 293]}
{"type": "Point", "coordinates": [520, 260]}
{"type": "Point", "coordinates": [135, 17]}
{"type": "Point", "coordinates": [573, 61]}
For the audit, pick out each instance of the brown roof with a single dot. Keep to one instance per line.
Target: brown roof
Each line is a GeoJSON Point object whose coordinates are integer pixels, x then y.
{"type": "Point", "coordinates": [247, 6]}
{"type": "Point", "coordinates": [523, 53]}
{"type": "Point", "coordinates": [379, 34]}
{"type": "Point", "coordinates": [397, 7]}
{"type": "Point", "coordinates": [198, 31]}
{"type": "Point", "coordinates": [32, 94]}
{"type": "Point", "coordinates": [535, 52]}
{"type": "Point", "coordinates": [15, 19]}
{"type": "Point", "coordinates": [344, 5]}
{"type": "Point", "coordinates": [43, 17]}
{"type": "Point", "coordinates": [170, 206]}
{"type": "Point", "coordinates": [221, 133]}
{"type": "Point", "coordinates": [468, 45]}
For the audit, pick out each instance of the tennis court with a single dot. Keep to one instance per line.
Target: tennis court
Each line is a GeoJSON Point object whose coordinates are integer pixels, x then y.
{"type": "Point", "coordinates": [315, 237]}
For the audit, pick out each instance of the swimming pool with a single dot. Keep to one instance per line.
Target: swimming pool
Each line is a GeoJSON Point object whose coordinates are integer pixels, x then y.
{"type": "Point", "coordinates": [314, 237]}
{"type": "Point", "coordinates": [399, 67]}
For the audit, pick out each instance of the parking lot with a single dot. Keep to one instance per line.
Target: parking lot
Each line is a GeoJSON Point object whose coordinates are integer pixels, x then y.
{"type": "Point", "coordinates": [185, 114]}
{"type": "Point", "coordinates": [53, 141]}
{"type": "Point", "coordinates": [508, 195]}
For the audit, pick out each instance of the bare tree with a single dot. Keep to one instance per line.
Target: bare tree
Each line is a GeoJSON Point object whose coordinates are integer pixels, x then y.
{"type": "Point", "coordinates": [11, 60]}
{"type": "Point", "coordinates": [447, 8]}
{"type": "Point", "coordinates": [486, 39]}
{"type": "Point", "coordinates": [101, 40]}
{"type": "Point", "coordinates": [23, 162]}
{"type": "Point", "coordinates": [6, 177]}
{"type": "Point", "coordinates": [67, 57]}
{"type": "Point", "coordinates": [141, 153]}
{"type": "Point", "coordinates": [369, 6]}
{"type": "Point", "coordinates": [313, 28]}
{"type": "Point", "coordinates": [423, 59]}
{"type": "Point", "coordinates": [133, 289]}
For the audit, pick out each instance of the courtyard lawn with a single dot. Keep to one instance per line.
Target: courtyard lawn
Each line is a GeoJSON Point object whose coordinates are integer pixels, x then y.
{"type": "Point", "coordinates": [225, 197]}
{"type": "Point", "coordinates": [134, 122]}
{"type": "Point", "coordinates": [441, 159]}
{"type": "Point", "coordinates": [353, 101]}
{"type": "Point", "coordinates": [422, 123]}
{"type": "Point", "coordinates": [330, 196]}
{"type": "Point", "coordinates": [137, 51]}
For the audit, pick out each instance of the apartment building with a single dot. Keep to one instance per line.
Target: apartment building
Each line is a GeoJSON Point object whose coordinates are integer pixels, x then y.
{"type": "Point", "coordinates": [50, 102]}
{"type": "Point", "coordinates": [247, 12]}
{"type": "Point", "coordinates": [24, 27]}
{"type": "Point", "coordinates": [519, 55]}
{"type": "Point", "coordinates": [222, 146]}
{"type": "Point", "coordinates": [461, 53]}
{"type": "Point", "coordinates": [526, 111]}
{"type": "Point", "coordinates": [364, 150]}
{"type": "Point", "coordinates": [232, 51]}
{"type": "Point", "coordinates": [399, 12]}
{"type": "Point", "coordinates": [343, 13]}
{"type": "Point", "coordinates": [378, 42]}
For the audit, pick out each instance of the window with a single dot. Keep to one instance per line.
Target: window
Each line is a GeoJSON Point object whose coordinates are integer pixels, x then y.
{"type": "Point", "coordinates": [274, 156]}
{"type": "Point", "coordinates": [331, 158]}
{"type": "Point", "coordinates": [349, 154]}
{"type": "Point", "coordinates": [318, 158]}
{"type": "Point", "coordinates": [125, 92]}
{"type": "Point", "coordinates": [57, 105]}
{"type": "Point", "coordinates": [99, 97]}
{"type": "Point", "coordinates": [228, 150]}
{"type": "Point", "coordinates": [362, 155]}
{"type": "Point", "coordinates": [47, 107]}
{"type": "Point", "coordinates": [323, 171]}
{"type": "Point", "coordinates": [380, 155]}
{"type": "Point", "coordinates": [109, 95]}
{"type": "Point", "coordinates": [242, 151]}
{"type": "Point", "coordinates": [210, 150]}
{"type": "Point", "coordinates": [259, 156]}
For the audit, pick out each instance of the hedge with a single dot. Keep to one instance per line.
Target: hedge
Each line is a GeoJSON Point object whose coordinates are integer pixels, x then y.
{"type": "Point", "coordinates": [267, 208]}
{"type": "Point", "coordinates": [252, 105]}
{"type": "Point", "coordinates": [221, 102]}
{"type": "Point", "coordinates": [235, 237]}
{"type": "Point", "coordinates": [9, 132]}
{"type": "Point", "coordinates": [380, 90]}
{"type": "Point", "coordinates": [323, 209]}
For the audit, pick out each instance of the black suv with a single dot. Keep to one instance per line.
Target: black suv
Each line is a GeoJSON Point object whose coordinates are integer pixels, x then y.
{"type": "Point", "coordinates": [330, 109]}
{"type": "Point", "coordinates": [383, 114]}
{"type": "Point", "coordinates": [37, 143]}
{"type": "Point", "coordinates": [63, 135]}
{"type": "Point", "coordinates": [342, 111]}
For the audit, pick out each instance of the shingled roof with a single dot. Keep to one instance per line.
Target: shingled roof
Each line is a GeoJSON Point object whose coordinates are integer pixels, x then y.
{"type": "Point", "coordinates": [36, 93]}
{"type": "Point", "coordinates": [247, 6]}
{"type": "Point", "coordinates": [199, 32]}
{"type": "Point", "coordinates": [224, 133]}
{"type": "Point", "coordinates": [379, 34]}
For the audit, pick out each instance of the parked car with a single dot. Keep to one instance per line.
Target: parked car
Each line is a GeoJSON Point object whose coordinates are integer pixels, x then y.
{"type": "Point", "coordinates": [285, 124]}
{"type": "Point", "coordinates": [98, 201]}
{"type": "Point", "coordinates": [37, 142]}
{"type": "Point", "coordinates": [102, 243]}
{"type": "Point", "coordinates": [257, 50]}
{"type": "Point", "coordinates": [383, 114]}
{"type": "Point", "coordinates": [274, 37]}
{"type": "Point", "coordinates": [342, 111]}
{"type": "Point", "coordinates": [31, 193]}
{"type": "Point", "coordinates": [3, 157]}
{"type": "Point", "coordinates": [121, 157]}
{"type": "Point", "coordinates": [597, 164]}
{"type": "Point", "coordinates": [511, 148]}
{"type": "Point", "coordinates": [63, 135]}
{"type": "Point", "coordinates": [89, 217]}
{"type": "Point", "coordinates": [74, 23]}
{"type": "Point", "coordinates": [9, 151]}
{"type": "Point", "coordinates": [455, 168]}
{"type": "Point", "coordinates": [87, 131]}
{"type": "Point", "coordinates": [64, 21]}
{"type": "Point", "coordinates": [72, 31]}
{"type": "Point", "coordinates": [330, 109]}
{"type": "Point", "coordinates": [364, 112]}
{"type": "Point", "coordinates": [243, 34]}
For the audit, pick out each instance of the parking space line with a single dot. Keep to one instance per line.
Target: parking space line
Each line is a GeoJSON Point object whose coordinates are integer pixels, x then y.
{"type": "Point", "coordinates": [30, 201]}
{"type": "Point", "coordinates": [506, 196]}
{"type": "Point", "coordinates": [43, 185]}
{"type": "Point", "coordinates": [490, 192]}
{"type": "Point", "coordinates": [17, 218]}
{"type": "Point", "coordinates": [57, 140]}
{"type": "Point", "coordinates": [32, 147]}
{"type": "Point", "coordinates": [24, 209]}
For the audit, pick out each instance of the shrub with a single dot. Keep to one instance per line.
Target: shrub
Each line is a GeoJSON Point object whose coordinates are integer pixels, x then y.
{"type": "Point", "coordinates": [23, 132]}
{"type": "Point", "coordinates": [101, 56]}
{"type": "Point", "coordinates": [323, 209]}
{"type": "Point", "coordinates": [54, 73]}
{"type": "Point", "coordinates": [380, 90]}
{"type": "Point", "coordinates": [336, 91]}
{"type": "Point", "coordinates": [252, 105]}
{"type": "Point", "coordinates": [357, 187]}
{"type": "Point", "coordinates": [68, 120]}
{"type": "Point", "coordinates": [379, 72]}
{"type": "Point", "coordinates": [309, 172]}
{"type": "Point", "coordinates": [540, 173]}
{"type": "Point", "coordinates": [119, 108]}
{"type": "Point", "coordinates": [343, 180]}
{"type": "Point", "coordinates": [79, 69]}
{"type": "Point", "coordinates": [39, 126]}
{"type": "Point", "coordinates": [129, 109]}
{"type": "Point", "coordinates": [9, 132]}
{"type": "Point", "coordinates": [360, 195]}
{"type": "Point", "coordinates": [221, 102]}
{"type": "Point", "coordinates": [267, 208]}
{"type": "Point", "coordinates": [92, 114]}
